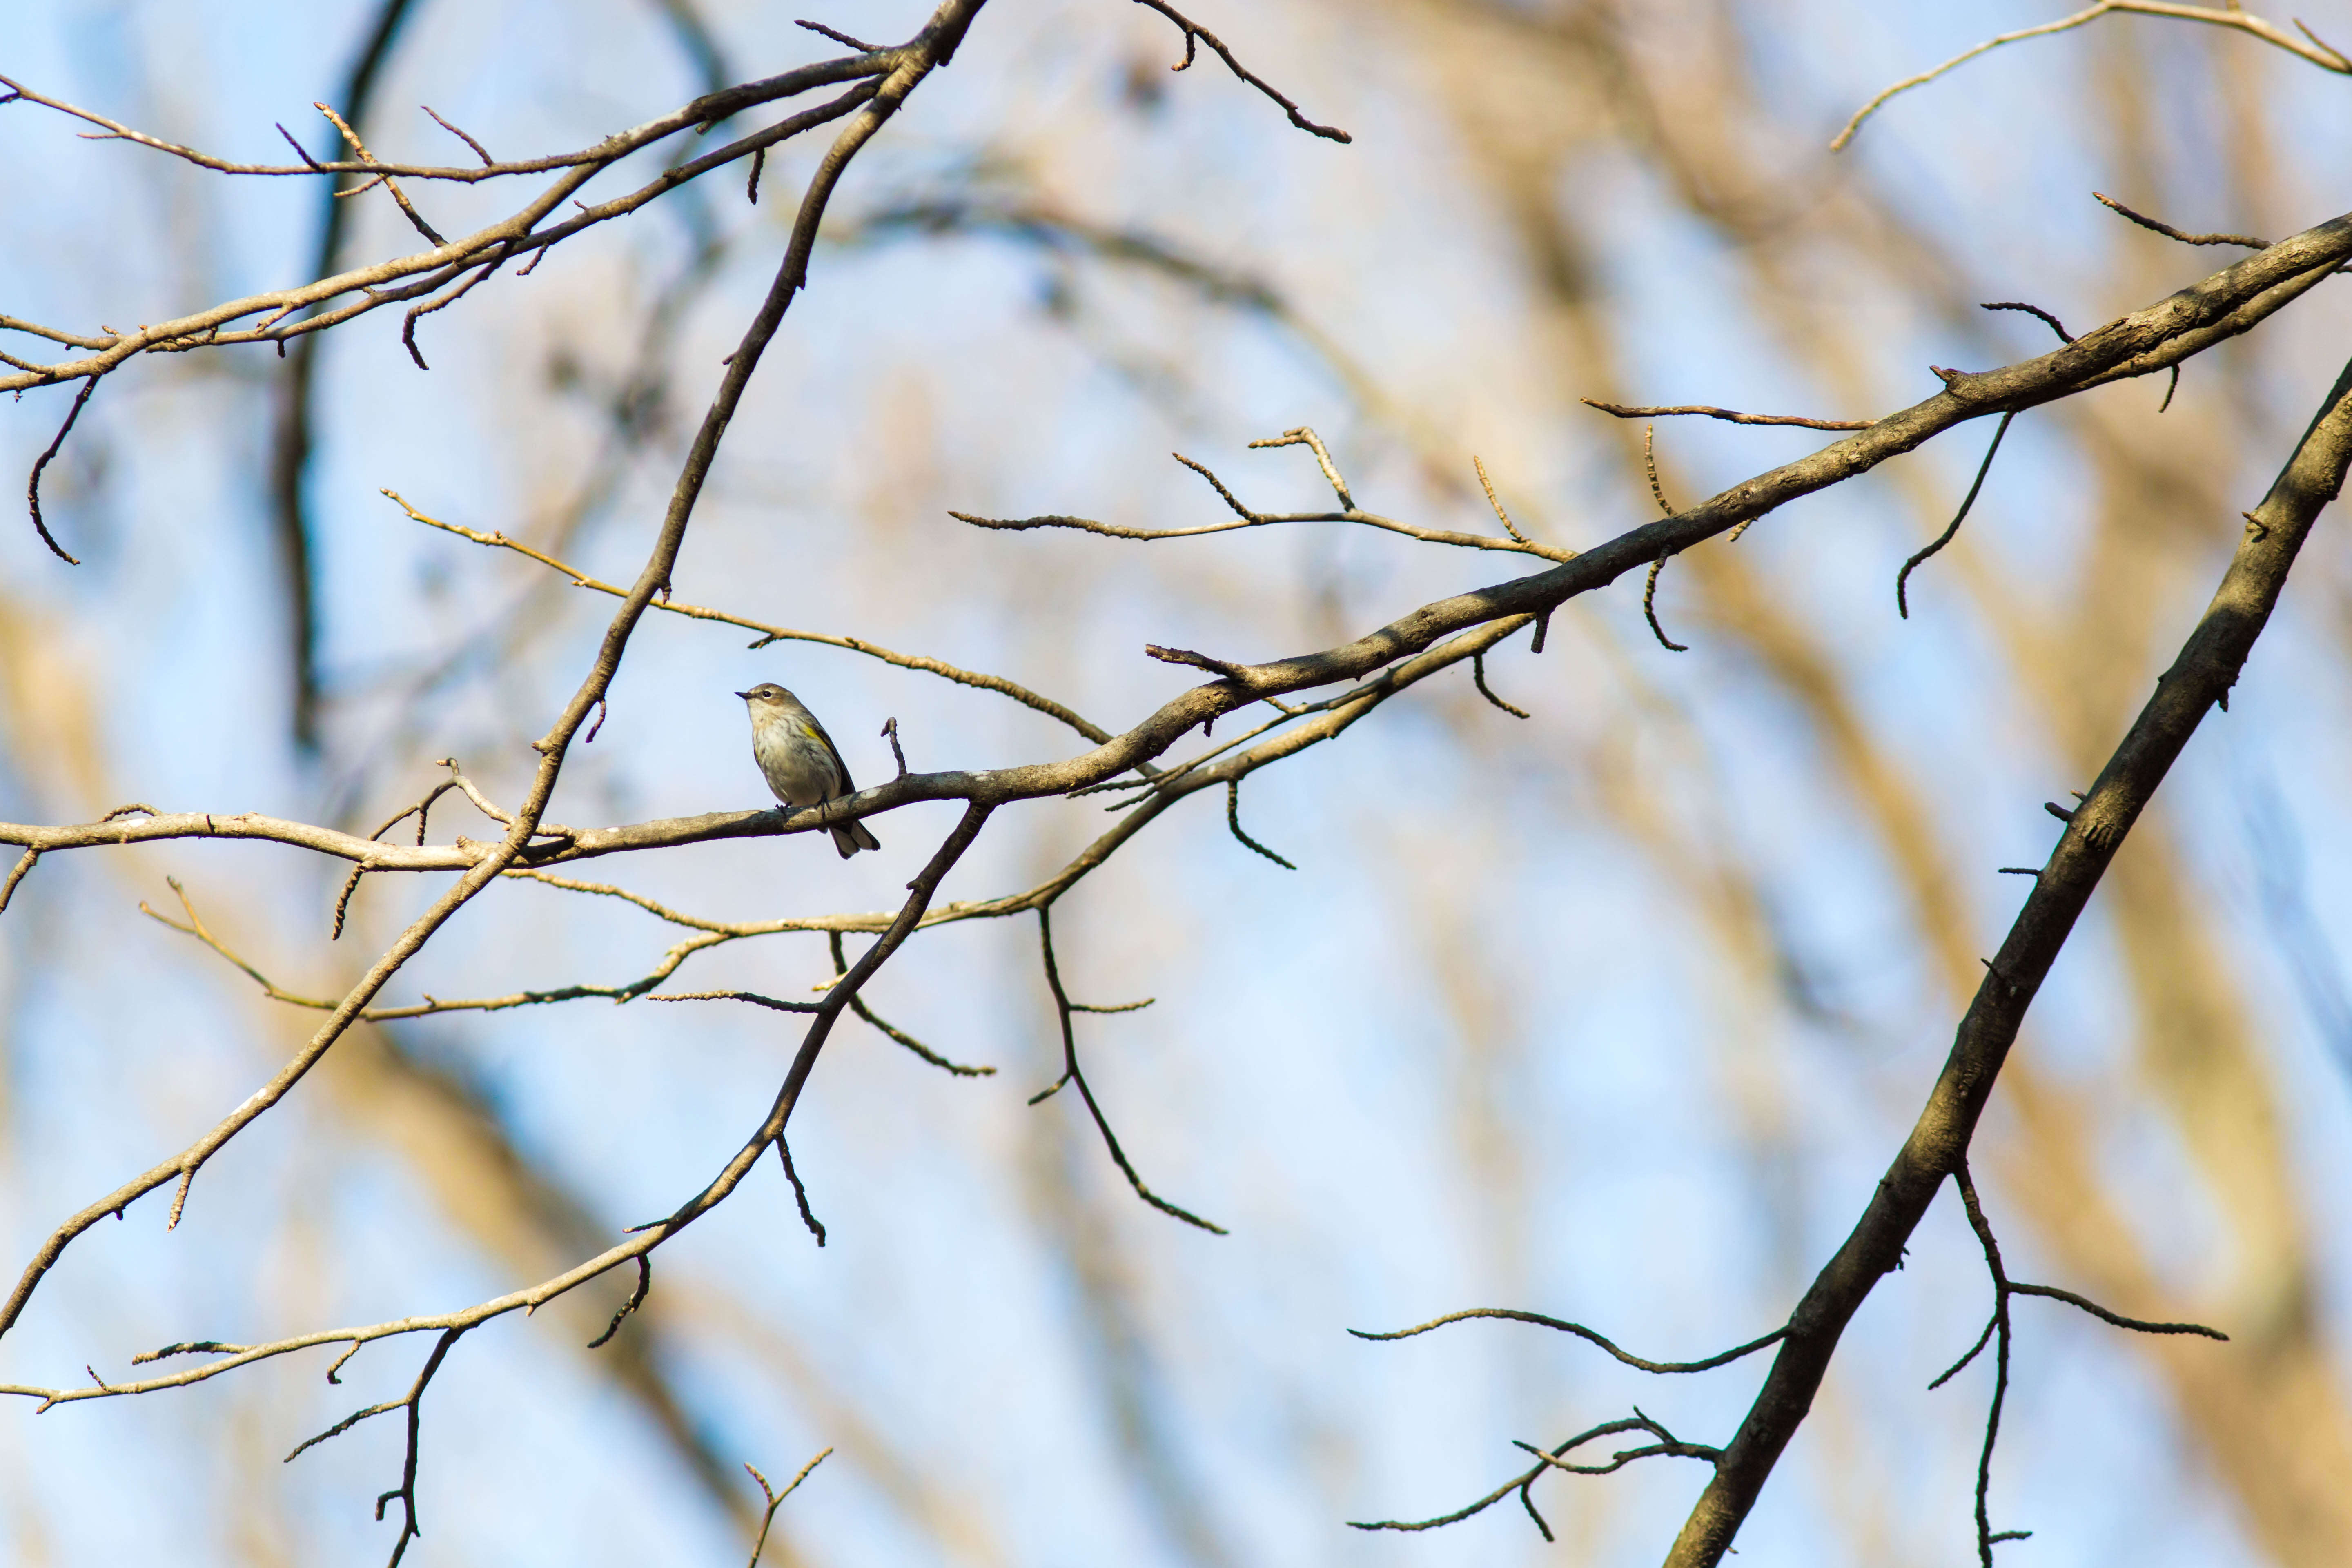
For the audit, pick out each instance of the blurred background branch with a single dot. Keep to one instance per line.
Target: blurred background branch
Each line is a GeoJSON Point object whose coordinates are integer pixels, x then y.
{"type": "Point", "coordinates": [1613, 1012]}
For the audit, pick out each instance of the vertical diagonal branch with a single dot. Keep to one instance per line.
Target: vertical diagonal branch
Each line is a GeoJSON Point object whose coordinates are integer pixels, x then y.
{"type": "Point", "coordinates": [2199, 678]}
{"type": "Point", "coordinates": [406, 1491]}
{"type": "Point", "coordinates": [844, 990]}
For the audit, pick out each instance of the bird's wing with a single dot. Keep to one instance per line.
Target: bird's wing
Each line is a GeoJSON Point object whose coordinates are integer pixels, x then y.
{"type": "Point", "coordinates": [840, 768]}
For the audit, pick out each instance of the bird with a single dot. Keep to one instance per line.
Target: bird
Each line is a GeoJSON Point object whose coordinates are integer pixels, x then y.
{"type": "Point", "coordinates": [799, 760]}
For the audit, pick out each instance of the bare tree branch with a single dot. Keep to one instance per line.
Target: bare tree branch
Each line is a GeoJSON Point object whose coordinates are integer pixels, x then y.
{"type": "Point", "coordinates": [909, 65]}
{"type": "Point", "coordinates": [2199, 679]}
{"type": "Point", "coordinates": [776, 1499]}
{"type": "Point", "coordinates": [1196, 34]}
{"type": "Point", "coordinates": [2317, 53]}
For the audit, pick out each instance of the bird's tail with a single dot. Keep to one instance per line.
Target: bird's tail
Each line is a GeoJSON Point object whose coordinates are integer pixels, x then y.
{"type": "Point", "coordinates": [852, 837]}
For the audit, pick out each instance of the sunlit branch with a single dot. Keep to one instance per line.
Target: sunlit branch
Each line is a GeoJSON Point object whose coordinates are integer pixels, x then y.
{"type": "Point", "coordinates": [384, 283]}
{"type": "Point", "coordinates": [933, 47]}
{"type": "Point", "coordinates": [2317, 53]}
{"type": "Point", "coordinates": [721, 105]}
{"type": "Point", "coordinates": [641, 1242]}
{"type": "Point", "coordinates": [2195, 318]}
{"type": "Point", "coordinates": [1247, 517]}
{"type": "Point", "coordinates": [776, 1499]}
{"type": "Point", "coordinates": [769, 634]}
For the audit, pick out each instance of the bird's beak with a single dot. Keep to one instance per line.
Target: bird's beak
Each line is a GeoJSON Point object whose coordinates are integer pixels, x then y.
{"type": "Point", "coordinates": [744, 695]}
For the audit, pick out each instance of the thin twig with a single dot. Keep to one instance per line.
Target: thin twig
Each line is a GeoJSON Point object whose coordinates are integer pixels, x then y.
{"type": "Point", "coordinates": [413, 1403]}
{"type": "Point", "coordinates": [2317, 53]}
{"type": "Point", "coordinates": [1722, 1358]}
{"type": "Point", "coordinates": [1517, 545]}
{"type": "Point", "coordinates": [770, 634]}
{"type": "Point", "coordinates": [479, 151]}
{"type": "Point", "coordinates": [1630, 411]}
{"type": "Point", "coordinates": [1234, 821]}
{"type": "Point", "coordinates": [406, 1491]}
{"type": "Point", "coordinates": [359, 150]}
{"type": "Point", "coordinates": [1072, 1074]}
{"type": "Point", "coordinates": [33, 486]}
{"type": "Point", "coordinates": [776, 1499]}
{"type": "Point", "coordinates": [1237, 674]}
{"type": "Point", "coordinates": [1650, 604]}
{"type": "Point", "coordinates": [1901, 604]}
{"type": "Point", "coordinates": [636, 1299]}
{"type": "Point", "coordinates": [1195, 33]}
{"type": "Point", "coordinates": [421, 810]}
{"type": "Point", "coordinates": [1203, 470]}
{"type": "Point", "coordinates": [1668, 1445]}
{"type": "Point", "coordinates": [754, 997]}
{"type": "Point", "coordinates": [860, 45]}
{"type": "Point", "coordinates": [2114, 1320]}
{"type": "Point", "coordinates": [1478, 679]}
{"type": "Point", "coordinates": [2000, 1329]}
{"type": "Point", "coordinates": [1495, 502]}
{"type": "Point", "coordinates": [8, 889]}
{"type": "Point", "coordinates": [1555, 1459]}
{"type": "Point", "coordinates": [892, 1031]}
{"type": "Point", "coordinates": [1650, 466]}
{"type": "Point", "coordinates": [800, 1193]}
{"type": "Point", "coordinates": [2165, 229]}
{"type": "Point", "coordinates": [2035, 310]}
{"type": "Point", "coordinates": [418, 313]}
{"type": "Point", "coordinates": [1304, 436]}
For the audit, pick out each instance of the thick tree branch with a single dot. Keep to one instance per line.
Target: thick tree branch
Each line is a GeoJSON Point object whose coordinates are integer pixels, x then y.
{"type": "Point", "coordinates": [2199, 678]}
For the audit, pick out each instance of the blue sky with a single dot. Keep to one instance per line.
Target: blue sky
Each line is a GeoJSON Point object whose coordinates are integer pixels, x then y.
{"type": "Point", "coordinates": [1512, 1033]}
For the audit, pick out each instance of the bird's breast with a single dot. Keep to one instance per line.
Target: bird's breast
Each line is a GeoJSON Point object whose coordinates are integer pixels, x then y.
{"type": "Point", "coordinates": [795, 764]}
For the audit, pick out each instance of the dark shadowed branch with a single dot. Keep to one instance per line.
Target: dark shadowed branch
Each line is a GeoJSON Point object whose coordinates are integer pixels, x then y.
{"type": "Point", "coordinates": [2199, 680]}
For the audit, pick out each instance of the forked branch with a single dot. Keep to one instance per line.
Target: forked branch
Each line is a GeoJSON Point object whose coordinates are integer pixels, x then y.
{"type": "Point", "coordinates": [1072, 1074]}
{"type": "Point", "coordinates": [2199, 680]}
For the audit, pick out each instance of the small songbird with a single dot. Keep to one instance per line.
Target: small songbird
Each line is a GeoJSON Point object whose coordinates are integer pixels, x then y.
{"type": "Point", "coordinates": [799, 760]}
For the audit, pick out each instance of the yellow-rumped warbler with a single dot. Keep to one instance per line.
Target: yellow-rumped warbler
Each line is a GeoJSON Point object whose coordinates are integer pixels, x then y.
{"type": "Point", "coordinates": [799, 760]}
